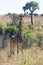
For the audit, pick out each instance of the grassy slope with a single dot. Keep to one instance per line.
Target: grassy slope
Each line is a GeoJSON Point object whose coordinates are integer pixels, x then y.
{"type": "Point", "coordinates": [4, 19]}
{"type": "Point", "coordinates": [38, 20]}
{"type": "Point", "coordinates": [31, 56]}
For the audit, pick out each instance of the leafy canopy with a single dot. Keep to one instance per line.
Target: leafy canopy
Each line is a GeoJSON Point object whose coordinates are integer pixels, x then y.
{"type": "Point", "coordinates": [31, 6]}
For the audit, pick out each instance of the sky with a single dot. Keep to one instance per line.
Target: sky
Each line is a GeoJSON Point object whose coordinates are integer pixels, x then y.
{"type": "Point", "coordinates": [15, 6]}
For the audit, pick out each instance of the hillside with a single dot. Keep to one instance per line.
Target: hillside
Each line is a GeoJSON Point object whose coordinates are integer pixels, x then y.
{"type": "Point", "coordinates": [8, 18]}
{"type": "Point", "coordinates": [31, 56]}
{"type": "Point", "coordinates": [5, 19]}
{"type": "Point", "coordinates": [31, 49]}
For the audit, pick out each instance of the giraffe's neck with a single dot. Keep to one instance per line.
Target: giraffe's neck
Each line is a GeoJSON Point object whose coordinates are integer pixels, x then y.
{"type": "Point", "coordinates": [19, 36]}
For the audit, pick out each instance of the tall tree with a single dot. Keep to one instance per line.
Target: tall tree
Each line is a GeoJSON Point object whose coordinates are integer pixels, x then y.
{"type": "Point", "coordinates": [32, 6]}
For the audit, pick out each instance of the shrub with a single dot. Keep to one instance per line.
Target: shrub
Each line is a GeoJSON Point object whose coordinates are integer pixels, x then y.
{"type": "Point", "coordinates": [41, 14]}
{"type": "Point", "coordinates": [12, 30]}
{"type": "Point", "coordinates": [1, 29]}
{"type": "Point", "coordinates": [31, 27]}
{"type": "Point", "coordinates": [28, 38]}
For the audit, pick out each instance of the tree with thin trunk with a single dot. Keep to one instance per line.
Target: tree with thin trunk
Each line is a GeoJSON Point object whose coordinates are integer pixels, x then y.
{"type": "Point", "coordinates": [32, 6]}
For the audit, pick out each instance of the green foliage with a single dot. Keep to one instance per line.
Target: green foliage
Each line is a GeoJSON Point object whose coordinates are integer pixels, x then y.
{"type": "Point", "coordinates": [31, 27]}
{"type": "Point", "coordinates": [1, 29]}
{"type": "Point", "coordinates": [41, 14]}
{"type": "Point", "coordinates": [41, 43]}
{"type": "Point", "coordinates": [29, 38]}
{"type": "Point", "coordinates": [32, 6]}
{"type": "Point", "coordinates": [11, 29]}
{"type": "Point", "coordinates": [28, 33]}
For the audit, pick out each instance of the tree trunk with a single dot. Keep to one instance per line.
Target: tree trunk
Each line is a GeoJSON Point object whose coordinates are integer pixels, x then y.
{"type": "Point", "coordinates": [31, 18]}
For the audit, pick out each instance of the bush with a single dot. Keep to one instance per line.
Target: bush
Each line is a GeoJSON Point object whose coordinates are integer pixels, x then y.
{"type": "Point", "coordinates": [12, 30]}
{"type": "Point", "coordinates": [40, 40]}
{"type": "Point", "coordinates": [28, 38]}
{"type": "Point", "coordinates": [31, 27]}
{"type": "Point", "coordinates": [41, 14]}
{"type": "Point", "coordinates": [1, 29]}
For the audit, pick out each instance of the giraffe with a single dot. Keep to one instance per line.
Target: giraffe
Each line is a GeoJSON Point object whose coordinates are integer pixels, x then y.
{"type": "Point", "coordinates": [17, 39]}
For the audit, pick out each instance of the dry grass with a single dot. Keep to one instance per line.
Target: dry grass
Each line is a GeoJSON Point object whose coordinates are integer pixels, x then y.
{"type": "Point", "coordinates": [5, 19]}
{"type": "Point", "coordinates": [31, 56]}
{"type": "Point", "coordinates": [37, 20]}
